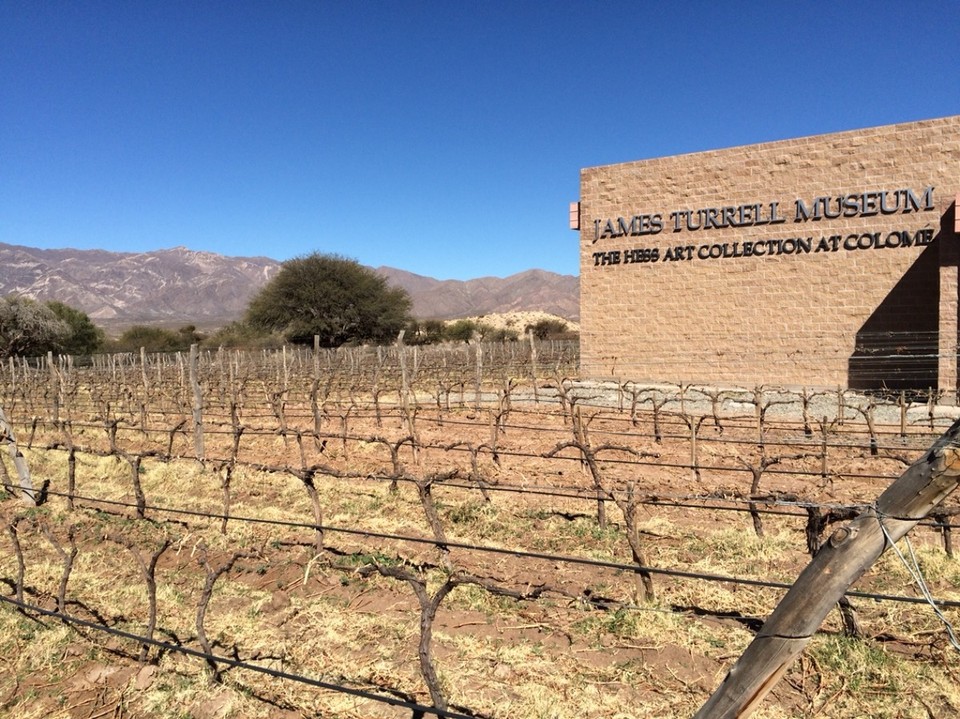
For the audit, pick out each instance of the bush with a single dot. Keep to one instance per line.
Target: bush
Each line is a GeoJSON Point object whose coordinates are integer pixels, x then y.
{"type": "Point", "coordinates": [29, 328]}
{"type": "Point", "coordinates": [332, 297]}
{"type": "Point", "coordinates": [84, 337]}
{"type": "Point", "coordinates": [155, 339]}
{"type": "Point", "coordinates": [549, 329]}
{"type": "Point", "coordinates": [240, 335]}
{"type": "Point", "coordinates": [460, 331]}
{"type": "Point", "coordinates": [469, 330]}
{"type": "Point", "coordinates": [504, 334]}
{"type": "Point", "coordinates": [424, 332]}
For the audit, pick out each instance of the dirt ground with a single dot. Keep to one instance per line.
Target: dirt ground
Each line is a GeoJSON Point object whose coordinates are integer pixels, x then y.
{"type": "Point", "coordinates": [539, 610]}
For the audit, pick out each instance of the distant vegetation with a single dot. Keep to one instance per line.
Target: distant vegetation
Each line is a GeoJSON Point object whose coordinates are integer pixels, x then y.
{"type": "Point", "coordinates": [240, 335]}
{"type": "Point", "coordinates": [317, 295]}
{"type": "Point", "coordinates": [550, 329]}
{"type": "Point", "coordinates": [155, 339]}
{"type": "Point", "coordinates": [469, 330]}
{"type": "Point", "coordinates": [459, 331]}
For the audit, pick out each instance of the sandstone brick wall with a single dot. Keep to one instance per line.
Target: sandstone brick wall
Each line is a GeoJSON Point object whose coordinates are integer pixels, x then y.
{"type": "Point", "coordinates": [872, 315]}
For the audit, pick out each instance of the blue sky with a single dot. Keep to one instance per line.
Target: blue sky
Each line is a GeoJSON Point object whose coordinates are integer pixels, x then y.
{"type": "Point", "coordinates": [444, 138]}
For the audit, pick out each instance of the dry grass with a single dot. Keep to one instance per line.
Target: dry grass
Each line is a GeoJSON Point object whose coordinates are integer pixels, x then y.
{"type": "Point", "coordinates": [558, 656]}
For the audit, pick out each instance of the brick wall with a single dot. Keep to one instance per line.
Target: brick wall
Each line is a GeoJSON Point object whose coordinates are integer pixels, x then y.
{"type": "Point", "coordinates": [854, 310]}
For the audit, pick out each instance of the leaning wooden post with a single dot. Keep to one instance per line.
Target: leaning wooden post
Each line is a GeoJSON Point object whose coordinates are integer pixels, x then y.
{"type": "Point", "coordinates": [19, 462]}
{"type": "Point", "coordinates": [197, 402]}
{"type": "Point", "coordinates": [843, 559]}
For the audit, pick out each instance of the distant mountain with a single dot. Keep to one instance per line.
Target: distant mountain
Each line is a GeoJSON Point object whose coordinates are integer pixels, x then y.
{"type": "Point", "coordinates": [179, 286]}
{"type": "Point", "coordinates": [124, 288]}
{"type": "Point", "coordinates": [530, 290]}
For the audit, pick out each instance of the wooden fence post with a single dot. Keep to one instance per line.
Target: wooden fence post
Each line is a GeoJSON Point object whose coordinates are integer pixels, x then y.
{"type": "Point", "coordinates": [23, 472]}
{"type": "Point", "coordinates": [479, 370]}
{"type": "Point", "coordinates": [694, 462]}
{"type": "Point", "coordinates": [143, 372]}
{"type": "Point", "coordinates": [843, 559]}
{"type": "Point", "coordinates": [533, 365]}
{"type": "Point", "coordinates": [404, 379]}
{"type": "Point", "coordinates": [55, 391]}
{"type": "Point", "coordinates": [197, 402]}
{"type": "Point", "coordinates": [823, 448]}
{"type": "Point", "coordinates": [903, 414]}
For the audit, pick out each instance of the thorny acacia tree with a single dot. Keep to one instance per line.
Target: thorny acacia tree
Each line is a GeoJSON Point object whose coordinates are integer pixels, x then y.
{"type": "Point", "coordinates": [83, 337]}
{"type": "Point", "coordinates": [28, 327]}
{"type": "Point", "coordinates": [333, 297]}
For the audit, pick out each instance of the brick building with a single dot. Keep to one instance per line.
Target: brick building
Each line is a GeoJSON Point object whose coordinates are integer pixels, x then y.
{"type": "Point", "coordinates": [821, 261]}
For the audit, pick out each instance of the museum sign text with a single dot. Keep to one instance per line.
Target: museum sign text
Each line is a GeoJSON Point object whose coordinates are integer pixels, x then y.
{"type": "Point", "coordinates": [850, 206]}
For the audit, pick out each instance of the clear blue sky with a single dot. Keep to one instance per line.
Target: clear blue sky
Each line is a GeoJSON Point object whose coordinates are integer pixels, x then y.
{"type": "Point", "coordinates": [444, 138]}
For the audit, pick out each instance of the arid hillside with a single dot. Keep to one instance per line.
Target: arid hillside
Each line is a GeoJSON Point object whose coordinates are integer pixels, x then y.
{"type": "Point", "coordinates": [177, 286]}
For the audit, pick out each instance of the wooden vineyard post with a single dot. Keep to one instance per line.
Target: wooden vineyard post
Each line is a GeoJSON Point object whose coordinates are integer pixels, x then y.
{"type": "Point", "coordinates": [694, 463]}
{"type": "Point", "coordinates": [23, 472]}
{"type": "Point", "coordinates": [479, 370]}
{"type": "Point", "coordinates": [823, 448]}
{"type": "Point", "coordinates": [843, 559]}
{"type": "Point", "coordinates": [533, 365]}
{"type": "Point", "coordinates": [314, 387]}
{"type": "Point", "coordinates": [404, 378]}
{"type": "Point", "coordinates": [143, 373]}
{"type": "Point", "coordinates": [54, 387]}
{"type": "Point", "coordinates": [941, 519]}
{"type": "Point", "coordinates": [197, 402]}
{"type": "Point", "coordinates": [758, 406]}
{"type": "Point", "coordinates": [903, 414]}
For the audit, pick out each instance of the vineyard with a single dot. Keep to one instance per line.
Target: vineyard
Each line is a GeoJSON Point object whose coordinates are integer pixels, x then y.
{"type": "Point", "coordinates": [459, 532]}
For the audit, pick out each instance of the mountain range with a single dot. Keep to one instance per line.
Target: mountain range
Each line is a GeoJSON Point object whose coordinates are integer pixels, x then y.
{"type": "Point", "coordinates": [178, 286]}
